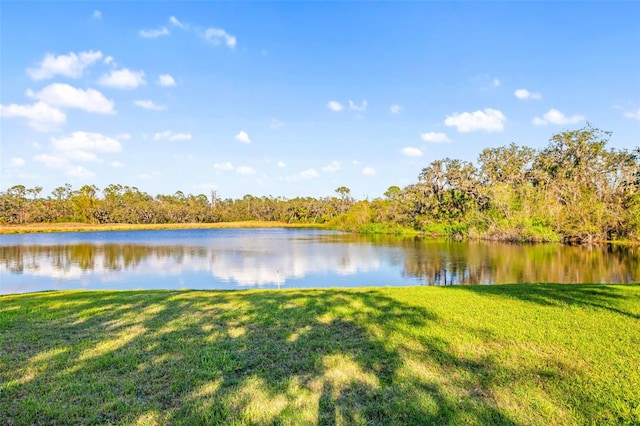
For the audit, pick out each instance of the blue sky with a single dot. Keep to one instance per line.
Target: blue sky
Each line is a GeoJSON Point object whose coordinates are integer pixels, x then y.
{"type": "Point", "coordinates": [298, 98]}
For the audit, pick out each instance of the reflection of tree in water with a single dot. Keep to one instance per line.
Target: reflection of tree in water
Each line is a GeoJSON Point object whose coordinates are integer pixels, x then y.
{"type": "Point", "coordinates": [89, 257]}
{"type": "Point", "coordinates": [446, 263]}
{"type": "Point", "coordinates": [431, 262]}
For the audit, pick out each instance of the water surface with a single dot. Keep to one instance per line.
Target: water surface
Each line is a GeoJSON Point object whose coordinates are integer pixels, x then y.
{"type": "Point", "coordinates": [290, 258]}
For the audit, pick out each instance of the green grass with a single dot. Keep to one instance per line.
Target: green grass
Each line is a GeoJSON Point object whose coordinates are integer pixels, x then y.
{"type": "Point", "coordinates": [516, 354]}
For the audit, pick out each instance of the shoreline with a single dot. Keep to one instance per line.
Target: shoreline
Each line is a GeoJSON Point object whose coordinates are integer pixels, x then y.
{"type": "Point", "coordinates": [42, 228]}
{"type": "Point", "coordinates": [54, 228]}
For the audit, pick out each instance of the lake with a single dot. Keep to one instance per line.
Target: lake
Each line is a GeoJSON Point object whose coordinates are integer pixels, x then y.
{"type": "Point", "coordinates": [291, 258]}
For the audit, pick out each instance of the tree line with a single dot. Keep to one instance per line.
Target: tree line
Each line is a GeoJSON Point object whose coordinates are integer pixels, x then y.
{"type": "Point", "coordinates": [576, 189]}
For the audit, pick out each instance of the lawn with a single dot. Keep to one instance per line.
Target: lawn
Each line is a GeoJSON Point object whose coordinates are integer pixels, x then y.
{"type": "Point", "coordinates": [513, 354]}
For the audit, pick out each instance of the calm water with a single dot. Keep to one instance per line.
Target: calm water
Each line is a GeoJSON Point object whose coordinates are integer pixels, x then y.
{"type": "Point", "coordinates": [281, 258]}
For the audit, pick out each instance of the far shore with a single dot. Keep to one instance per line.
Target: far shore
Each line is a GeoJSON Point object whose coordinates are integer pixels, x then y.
{"type": "Point", "coordinates": [33, 228]}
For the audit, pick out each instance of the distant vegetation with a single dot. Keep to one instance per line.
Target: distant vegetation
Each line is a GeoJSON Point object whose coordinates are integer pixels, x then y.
{"type": "Point", "coordinates": [574, 190]}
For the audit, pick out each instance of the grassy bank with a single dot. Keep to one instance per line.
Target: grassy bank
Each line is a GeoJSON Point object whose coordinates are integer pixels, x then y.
{"type": "Point", "coordinates": [87, 227]}
{"type": "Point", "coordinates": [521, 354]}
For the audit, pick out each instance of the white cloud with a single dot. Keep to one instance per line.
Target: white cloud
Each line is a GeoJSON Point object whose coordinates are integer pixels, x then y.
{"type": "Point", "coordinates": [276, 124]}
{"type": "Point", "coordinates": [288, 179]}
{"type": "Point", "coordinates": [17, 162]}
{"type": "Point", "coordinates": [489, 120]}
{"type": "Point", "coordinates": [369, 171]}
{"type": "Point", "coordinates": [97, 15]}
{"type": "Point", "coordinates": [395, 109]}
{"type": "Point", "coordinates": [170, 136]}
{"type": "Point", "coordinates": [217, 35]}
{"type": "Point", "coordinates": [146, 104]}
{"type": "Point", "coordinates": [207, 186]}
{"type": "Point", "coordinates": [117, 165]}
{"type": "Point", "coordinates": [334, 166]}
{"type": "Point", "coordinates": [64, 95]}
{"type": "Point", "coordinates": [525, 94]}
{"type": "Point", "coordinates": [305, 174]}
{"type": "Point", "coordinates": [282, 164]}
{"type": "Point", "coordinates": [335, 106]}
{"type": "Point", "coordinates": [123, 79]}
{"type": "Point", "coordinates": [308, 174]}
{"type": "Point", "coordinates": [411, 151]}
{"type": "Point", "coordinates": [86, 142]}
{"type": "Point", "coordinates": [79, 171]}
{"type": "Point", "coordinates": [435, 137]}
{"type": "Point", "coordinates": [82, 156]}
{"type": "Point", "coordinates": [174, 21]}
{"type": "Point", "coordinates": [51, 161]}
{"type": "Point", "coordinates": [145, 176]}
{"type": "Point", "coordinates": [40, 116]}
{"type": "Point", "coordinates": [358, 108]}
{"type": "Point", "coordinates": [166, 80]}
{"type": "Point", "coordinates": [124, 136]}
{"type": "Point", "coordinates": [71, 65]}
{"type": "Point", "coordinates": [154, 33]}
{"type": "Point", "coordinates": [553, 116]}
{"type": "Point", "coordinates": [243, 137]}
{"type": "Point", "coordinates": [245, 170]}
{"type": "Point", "coordinates": [633, 114]}
{"type": "Point", "coordinates": [496, 82]}
{"type": "Point", "coordinates": [223, 166]}
{"type": "Point", "coordinates": [109, 61]}
{"type": "Point", "coordinates": [78, 147]}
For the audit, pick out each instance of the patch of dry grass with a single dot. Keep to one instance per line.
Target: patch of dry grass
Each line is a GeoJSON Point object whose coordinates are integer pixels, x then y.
{"type": "Point", "coordinates": [87, 227]}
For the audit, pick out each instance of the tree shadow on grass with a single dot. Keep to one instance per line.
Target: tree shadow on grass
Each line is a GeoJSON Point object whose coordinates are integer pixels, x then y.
{"type": "Point", "coordinates": [597, 296]}
{"type": "Point", "coordinates": [297, 357]}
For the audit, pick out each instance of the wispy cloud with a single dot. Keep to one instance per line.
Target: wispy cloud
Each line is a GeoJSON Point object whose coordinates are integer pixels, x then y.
{"type": "Point", "coordinates": [17, 162]}
{"type": "Point", "coordinates": [166, 80]}
{"type": "Point", "coordinates": [217, 36]}
{"type": "Point", "coordinates": [369, 171]}
{"type": "Point", "coordinates": [154, 33]}
{"type": "Point", "coordinates": [553, 116]}
{"type": "Point", "coordinates": [309, 174]}
{"type": "Point", "coordinates": [40, 116]}
{"type": "Point", "coordinates": [395, 109]}
{"type": "Point", "coordinates": [227, 167]}
{"type": "Point", "coordinates": [71, 65]}
{"type": "Point", "coordinates": [174, 21]}
{"type": "Point", "coordinates": [123, 79]}
{"type": "Point", "coordinates": [435, 137]}
{"type": "Point", "coordinates": [634, 114]}
{"type": "Point", "coordinates": [78, 147]}
{"type": "Point", "coordinates": [97, 15]}
{"type": "Point", "coordinates": [525, 94]}
{"type": "Point", "coordinates": [488, 120]}
{"type": "Point", "coordinates": [223, 166]}
{"type": "Point", "coordinates": [411, 151]}
{"type": "Point", "coordinates": [64, 95]}
{"type": "Point", "coordinates": [334, 166]}
{"type": "Point", "coordinates": [276, 124]}
{"type": "Point", "coordinates": [146, 104]}
{"type": "Point", "coordinates": [245, 170]}
{"type": "Point", "coordinates": [358, 108]}
{"type": "Point", "coordinates": [170, 136]}
{"type": "Point", "coordinates": [335, 106]}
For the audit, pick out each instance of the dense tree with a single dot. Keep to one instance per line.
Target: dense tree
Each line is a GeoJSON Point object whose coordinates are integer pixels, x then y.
{"type": "Point", "coordinates": [575, 188]}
